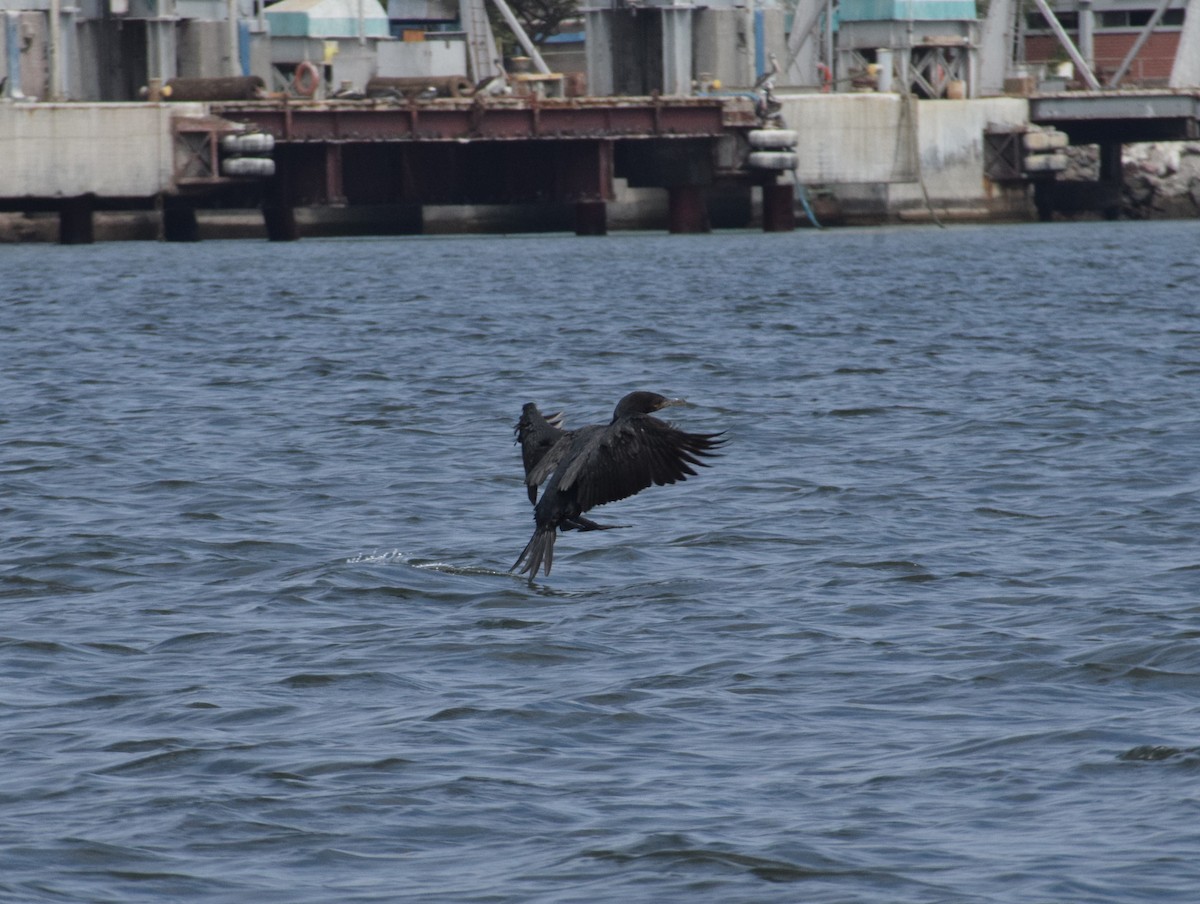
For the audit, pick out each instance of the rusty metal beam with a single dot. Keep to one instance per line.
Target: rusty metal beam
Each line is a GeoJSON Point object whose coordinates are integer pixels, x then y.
{"type": "Point", "coordinates": [504, 119]}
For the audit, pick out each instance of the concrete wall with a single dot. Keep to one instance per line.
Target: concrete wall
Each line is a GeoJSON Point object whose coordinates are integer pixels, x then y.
{"type": "Point", "coordinates": [951, 143]}
{"type": "Point", "coordinates": [876, 149]}
{"type": "Point", "coordinates": [849, 138]}
{"type": "Point", "coordinates": [65, 150]}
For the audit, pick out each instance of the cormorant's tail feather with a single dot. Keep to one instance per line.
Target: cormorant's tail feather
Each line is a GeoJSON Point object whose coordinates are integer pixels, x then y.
{"type": "Point", "coordinates": [538, 553]}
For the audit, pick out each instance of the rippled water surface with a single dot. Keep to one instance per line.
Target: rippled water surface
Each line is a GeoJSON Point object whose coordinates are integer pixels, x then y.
{"type": "Point", "coordinates": [929, 631]}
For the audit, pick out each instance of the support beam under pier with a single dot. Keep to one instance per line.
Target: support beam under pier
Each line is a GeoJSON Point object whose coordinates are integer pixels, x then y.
{"type": "Point", "coordinates": [687, 210]}
{"type": "Point", "coordinates": [179, 223]}
{"type": "Point", "coordinates": [280, 222]}
{"type": "Point", "coordinates": [1112, 176]}
{"type": "Point", "coordinates": [778, 208]}
{"type": "Point", "coordinates": [76, 221]}
{"type": "Point", "coordinates": [279, 214]}
{"type": "Point", "coordinates": [591, 218]}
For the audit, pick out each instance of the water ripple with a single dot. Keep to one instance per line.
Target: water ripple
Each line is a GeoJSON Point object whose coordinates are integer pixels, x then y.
{"type": "Point", "coordinates": [926, 634]}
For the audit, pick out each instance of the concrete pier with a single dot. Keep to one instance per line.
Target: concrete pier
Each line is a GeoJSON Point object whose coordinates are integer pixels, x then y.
{"type": "Point", "coordinates": [880, 155]}
{"type": "Point", "coordinates": [391, 166]}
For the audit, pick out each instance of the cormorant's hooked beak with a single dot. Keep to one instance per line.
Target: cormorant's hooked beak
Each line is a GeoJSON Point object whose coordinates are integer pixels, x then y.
{"type": "Point", "coordinates": [667, 403]}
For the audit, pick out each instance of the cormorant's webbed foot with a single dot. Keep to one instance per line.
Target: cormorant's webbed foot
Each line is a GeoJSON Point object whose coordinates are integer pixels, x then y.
{"type": "Point", "coordinates": [581, 523]}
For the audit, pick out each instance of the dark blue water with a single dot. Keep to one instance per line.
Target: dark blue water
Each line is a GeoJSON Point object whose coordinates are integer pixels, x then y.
{"type": "Point", "coordinates": [928, 632]}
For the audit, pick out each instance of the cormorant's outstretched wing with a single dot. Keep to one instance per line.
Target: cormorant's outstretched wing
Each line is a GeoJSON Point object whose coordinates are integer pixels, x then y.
{"type": "Point", "coordinates": [631, 454]}
{"type": "Point", "coordinates": [551, 457]}
{"type": "Point", "coordinates": [537, 435]}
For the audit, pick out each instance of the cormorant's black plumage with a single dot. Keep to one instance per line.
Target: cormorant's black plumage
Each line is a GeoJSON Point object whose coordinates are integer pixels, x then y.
{"type": "Point", "coordinates": [597, 464]}
{"type": "Point", "coordinates": [537, 434]}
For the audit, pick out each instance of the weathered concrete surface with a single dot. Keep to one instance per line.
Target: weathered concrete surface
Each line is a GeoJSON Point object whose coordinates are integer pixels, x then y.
{"type": "Point", "coordinates": [869, 157]}
{"type": "Point", "coordinates": [849, 138]}
{"type": "Point", "coordinates": [881, 154]}
{"type": "Point", "coordinates": [65, 150]}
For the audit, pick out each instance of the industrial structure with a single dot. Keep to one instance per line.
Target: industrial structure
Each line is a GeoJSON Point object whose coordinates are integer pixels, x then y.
{"type": "Point", "coordinates": [893, 107]}
{"type": "Point", "coordinates": [112, 50]}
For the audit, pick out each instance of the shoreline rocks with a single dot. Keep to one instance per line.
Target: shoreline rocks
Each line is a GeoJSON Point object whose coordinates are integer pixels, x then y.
{"type": "Point", "coordinates": [1160, 180]}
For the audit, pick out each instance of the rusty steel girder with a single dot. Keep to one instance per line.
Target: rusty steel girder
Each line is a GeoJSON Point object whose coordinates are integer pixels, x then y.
{"type": "Point", "coordinates": [482, 119]}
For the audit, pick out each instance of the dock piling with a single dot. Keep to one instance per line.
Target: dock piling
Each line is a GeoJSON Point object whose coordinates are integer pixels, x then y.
{"type": "Point", "coordinates": [591, 218]}
{"type": "Point", "coordinates": [75, 220]}
{"type": "Point", "coordinates": [778, 207]}
{"type": "Point", "coordinates": [179, 222]}
{"type": "Point", "coordinates": [687, 210]}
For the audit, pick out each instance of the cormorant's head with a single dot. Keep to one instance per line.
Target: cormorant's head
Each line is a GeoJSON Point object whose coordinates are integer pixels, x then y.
{"type": "Point", "coordinates": [642, 403]}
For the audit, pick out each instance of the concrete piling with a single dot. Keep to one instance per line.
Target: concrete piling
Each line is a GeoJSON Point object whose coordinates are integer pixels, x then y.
{"type": "Point", "coordinates": [76, 221]}
{"type": "Point", "coordinates": [778, 208]}
{"type": "Point", "coordinates": [687, 210]}
{"type": "Point", "coordinates": [591, 218]}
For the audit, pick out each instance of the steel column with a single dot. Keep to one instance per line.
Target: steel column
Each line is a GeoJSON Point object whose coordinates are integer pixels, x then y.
{"type": "Point", "coordinates": [75, 222]}
{"type": "Point", "coordinates": [591, 218]}
{"type": "Point", "coordinates": [179, 221]}
{"type": "Point", "coordinates": [1087, 33]}
{"type": "Point", "coordinates": [778, 207]}
{"type": "Point", "coordinates": [1111, 178]}
{"type": "Point", "coordinates": [1110, 162]}
{"type": "Point", "coordinates": [279, 217]}
{"type": "Point", "coordinates": [687, 210]}
{"type": "Point", "coordinates": [335, 192]}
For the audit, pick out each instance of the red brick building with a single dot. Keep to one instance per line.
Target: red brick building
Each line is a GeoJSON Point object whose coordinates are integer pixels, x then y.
{"type": "Point", "coordinates": [1115, 29]}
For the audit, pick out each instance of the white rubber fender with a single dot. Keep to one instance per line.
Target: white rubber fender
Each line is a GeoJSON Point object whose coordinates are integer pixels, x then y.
{"type": "Point", "coordinates": [772, 138]}
{"type": "Point", "coordinates": [1045, 141]}
{"type": "Point", "coordinates": [772, 160]}
{"type": "Point", "coordinates": [249, 143]}
{"type": "Point", "coordinates": [256, 143]}
{"type": "Point", "coordinates": [1045, 163]}
{"type": "Point", "coordinates": [256, 167]}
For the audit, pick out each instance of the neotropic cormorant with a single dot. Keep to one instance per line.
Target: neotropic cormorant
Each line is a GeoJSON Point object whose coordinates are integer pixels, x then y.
{"type": "Point", "coordinates": [537, 434]}
{"type": "Point", "coordinates": [598, 464]}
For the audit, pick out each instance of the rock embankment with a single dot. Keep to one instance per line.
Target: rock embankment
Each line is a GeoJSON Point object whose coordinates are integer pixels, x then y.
{"type": "Point", "coordinates": [1161, 181]}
